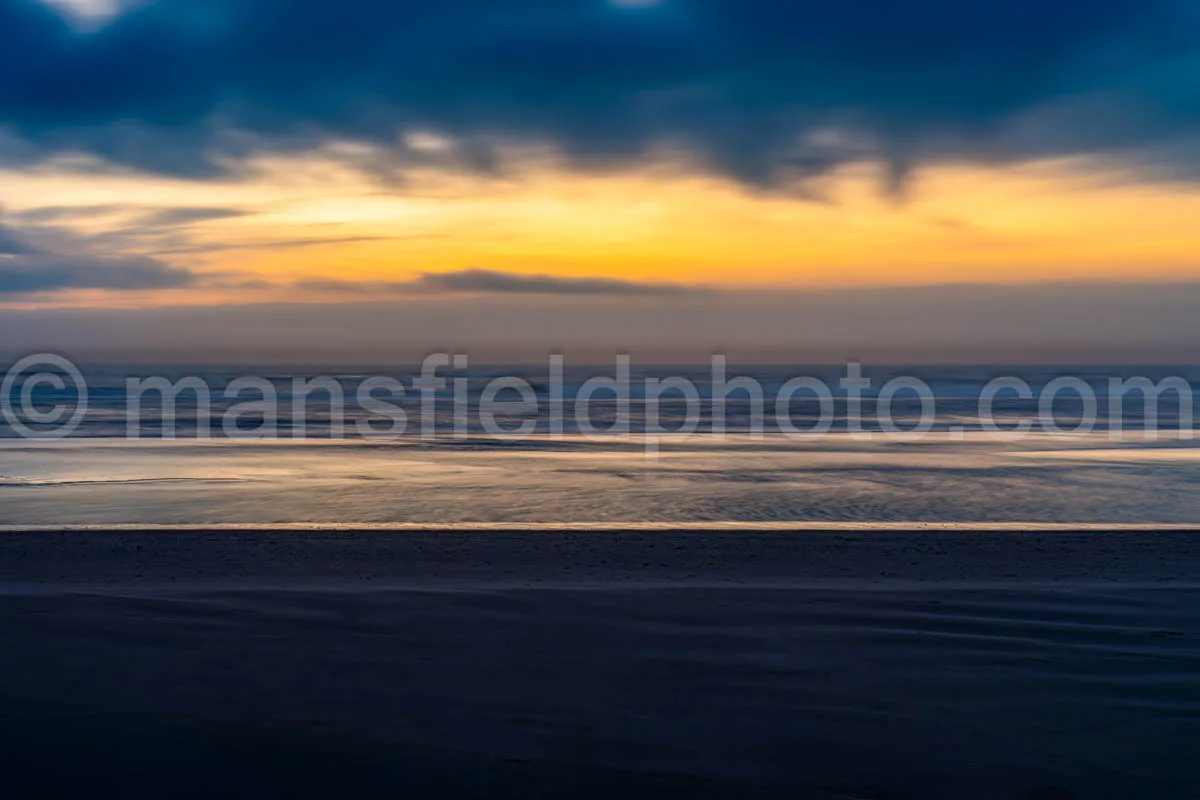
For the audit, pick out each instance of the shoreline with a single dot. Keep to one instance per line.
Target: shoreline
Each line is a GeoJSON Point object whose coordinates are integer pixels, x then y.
{"type": "Point", "coordinates": [613, 528]}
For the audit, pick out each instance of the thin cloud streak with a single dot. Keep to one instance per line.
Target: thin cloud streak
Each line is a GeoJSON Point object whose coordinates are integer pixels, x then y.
{"type": "Point", "coordinates": [483, 281]}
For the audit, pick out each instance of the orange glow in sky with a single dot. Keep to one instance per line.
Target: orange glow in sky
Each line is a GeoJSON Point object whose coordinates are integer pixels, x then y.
{"type": "Point", "coordinates": [304, 219]}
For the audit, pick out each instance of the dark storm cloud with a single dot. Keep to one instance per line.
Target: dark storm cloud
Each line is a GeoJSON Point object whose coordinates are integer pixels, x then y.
{"type": "Point", "coordinates": [771, 92]}
{"type": "Point", "coordinates": [483, 281]}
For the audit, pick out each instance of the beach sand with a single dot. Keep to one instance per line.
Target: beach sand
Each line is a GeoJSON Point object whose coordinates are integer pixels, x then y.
{"type": "Point", "coordinates": [882, 664]}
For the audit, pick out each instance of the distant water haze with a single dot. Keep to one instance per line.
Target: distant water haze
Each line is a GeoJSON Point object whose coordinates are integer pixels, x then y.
{"type": "Point", "coordinates": [1056, 323]}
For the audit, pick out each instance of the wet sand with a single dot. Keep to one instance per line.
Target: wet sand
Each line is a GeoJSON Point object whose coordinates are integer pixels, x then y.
{"type": "Point", "coordinates": [454, 664]}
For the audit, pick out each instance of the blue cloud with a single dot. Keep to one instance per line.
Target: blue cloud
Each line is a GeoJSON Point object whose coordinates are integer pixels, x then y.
{"type": "Point", "coordinates": [13, 243]}
{"type": "Point", "coordinates": [29, 269]}
{"type": "Point", "coordinates": [769, 92]}
{"type": "Point", "coordinates": [20, 275]}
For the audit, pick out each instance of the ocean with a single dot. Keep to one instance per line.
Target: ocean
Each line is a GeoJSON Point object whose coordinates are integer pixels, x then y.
{"type": "Point", "coordinates": [704, 647]}
{"type": "Point", "coordinates": [1066, 454]}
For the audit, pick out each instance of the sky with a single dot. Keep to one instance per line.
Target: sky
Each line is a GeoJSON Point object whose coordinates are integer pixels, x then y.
{"type": "Point", "coordinates": [789, 178]}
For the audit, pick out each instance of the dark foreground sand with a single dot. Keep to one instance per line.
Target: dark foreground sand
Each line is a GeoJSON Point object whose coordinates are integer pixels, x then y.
{"type": "Point", "coordinates": [873, 665]}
